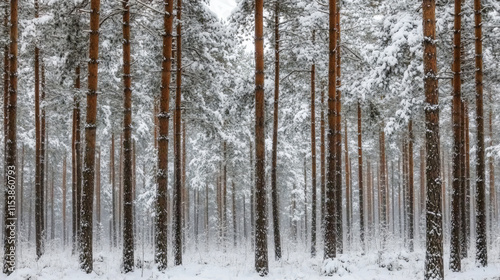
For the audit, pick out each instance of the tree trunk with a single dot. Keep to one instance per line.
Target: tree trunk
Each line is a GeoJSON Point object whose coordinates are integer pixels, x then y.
{"type": "Point", "coordinates": [306, 216]}
{"type": "Point", "coordinates": [322, 156]}
{"type": "Point", "coordinates": [163, 119]}
{"type": "Point", "coordinates": [52, 222]}
{"type": "Point", "coordinates": [233, 194]}
{"type": "Point", "coordinates": [177, 203]}
{"type": "Point", "coordinates": [90, 139]}
{"type": "Point", "coordinates": [411, 191]}
{"type": "Point", "coordinates": [467, 220]}
{"type": "Point", "coordinates": [274, 191]}
{"type": "Point", "coordinates": [74, 166]}
{"type": "Point", "coordinates": [383, 187]}
{"type": "Point", "coordinates": [98, 194]}
{"type": "Point", "coordinates": [456, 217]}
{"type": "Point", "coordinates": [43, 163]}
{"type": "Point", "coordinates": [11, 146]}
{"type": "Point", "coordinates": [313, 158]}
{"type": "Point", "coordinates": [252, 196]}
{"type": "Point", "coordinates": [331, 184]}
{"type": "Point", "coordinates": [360, 182]}
{"type": "Point", "coordinates": [128, 219]}
{"type": "Point", "coordinates": [434, 224]}
{"type": "Point", "coordinates": [338, 139]}
{"type": "Point", "coordinates": [481, 244]}
{"type": "Point", "coordinates": [492, 174]}
{"type": "Point", "coordinates": [261, 258]}
{"type": "Point", "coordinates": [347, 186]}
{"type": "Point", "coordinates": [113, 190]}
{"type": "Point", "coordinates": [64, 192]}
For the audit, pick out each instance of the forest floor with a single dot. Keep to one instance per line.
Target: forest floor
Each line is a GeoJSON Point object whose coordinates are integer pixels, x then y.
{"type": "Point", "coordinates": [238, 263]}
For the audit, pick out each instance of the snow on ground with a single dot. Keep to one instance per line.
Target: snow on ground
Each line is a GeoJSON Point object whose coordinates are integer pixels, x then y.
{"type": "Point", "coordinates": [238, 264]}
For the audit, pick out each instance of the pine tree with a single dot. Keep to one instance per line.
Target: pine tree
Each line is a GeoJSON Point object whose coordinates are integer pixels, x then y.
{"type": "Point", "coordinates": [330, 202]}
{"type": "Point", "coordinates": [434, 224]}
{"type": "Point", "coordinates": [360, 181]}
{"type": "Point", "coordinates": [90, 142]}
{"type": "Point", "coordinates": [261, 258]}
{"type": "Point", "coordinates": [128, 219]}
{"type": "Point", "coordinates": [9, 263]}
{"type": "Point", "coordinates": [163, 119]}
{"type": "Point", "coordinates": [481, 244]}
{"type": "Point", "coordinates": [456, 216]}
{"type": "Point", "coordinates": [313, 157]}
{"type": "Point", "coordinates": [274, 191]}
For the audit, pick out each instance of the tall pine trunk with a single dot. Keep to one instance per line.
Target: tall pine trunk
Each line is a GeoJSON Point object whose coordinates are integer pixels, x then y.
{"type": "Point", "coordinates": [163, 119]}
{"type": "Point", "coordinates": [331, 184]}
{"type": "Point", "coordinates": [128, 219]}
{"type": "Point", "coordinates": [434, 223]}
{"type": "Point", "coordinates": [274, 190]}
{"type": "Point", "coordinates": [456, 217]}
{"type": "Point", "coordinates": [90, 140]}
{"type": "Point", "coordinates": [411, 190]}
{"type": "Point", "coordinates": [10, 146]}
{"type": "Point", "coordinates": [177, 203]}
{"type": "Point", "coordinates": [481, 244]}
{"type": "Point", "coordinates": [261, 258]}
{"type": "Point", "coordinates": [338, 139]}
{"type": "Point", "coordinates": [360, 181]}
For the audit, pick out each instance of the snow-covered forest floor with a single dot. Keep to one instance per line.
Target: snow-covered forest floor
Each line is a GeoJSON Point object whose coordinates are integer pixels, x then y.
{"type": "Point", "coordinates": [238, 263]}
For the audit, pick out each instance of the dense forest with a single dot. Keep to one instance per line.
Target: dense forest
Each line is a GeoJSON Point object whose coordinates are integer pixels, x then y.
{"type": "Point", "coordinates": [291, 139]}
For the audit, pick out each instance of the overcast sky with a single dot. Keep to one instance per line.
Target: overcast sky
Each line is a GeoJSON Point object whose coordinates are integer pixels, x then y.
{"type": "Point", "coordinates": [222, 7]}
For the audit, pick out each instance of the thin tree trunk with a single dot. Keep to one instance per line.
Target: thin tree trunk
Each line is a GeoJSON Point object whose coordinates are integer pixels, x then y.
{"type": "Point", "coordinates": [113, 189]}
{"type": "Point", "coordinates": [481, 242]}
{"type": "Point", "coordinates": [128, 219]}
{"type": "Point", "coordinates": [52, 222]}
{"type": "Point", "coordinates": [177, 203]}
{"type": "Point", "coordinates": [338, 139]}
{"type": "Point", "coordinates": [74, 162]}
{"type": "Point", "coordinates": [10, 145]}
{"type": "Point", "coordinates": [492, 173]}
{"type": "Point", "coordinates": [274, 191]}
{"type": "Point", "coordinates": [322, 157]}
{"type": "Point", "coordinates": [252, 196]}
{"type": "Point", "coordinates": [467, 220]}
{"type": "Point", "coordinates": [43, 163]}
{"type": "Point", "coordinates": [434, 228]}
{"type": "Point", "coordinates": [360, 182]}
{"type": "Point", "coordinates": [90, 139]}
{"type": "Point", "coordinates": [313, 158]}
{"type": "Point", "coordinates": [261, 258]}
{"type": "Point", "coordinates": [331, 184]}
{"type": "Point", "coordinates": [456, 217]}
{"type": "Point", "coordinates": [233, 194]}
{"type": "Point", "coordinates": [98, 193]}
{"type": "Point", "coordinates": [64, 192]}
{"type": "Point", "coordinates": [347, 186]}
{"type": "Point", "coordinates": [163, 119]}
{"type": "Point", "coordinates": [306, 214]}
{"type": "Point", "coordinates": [411, 191]}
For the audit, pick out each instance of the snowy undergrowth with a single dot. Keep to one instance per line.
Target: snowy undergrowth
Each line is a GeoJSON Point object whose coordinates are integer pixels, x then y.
{"type": "Point", "coordinates": [238, 264]}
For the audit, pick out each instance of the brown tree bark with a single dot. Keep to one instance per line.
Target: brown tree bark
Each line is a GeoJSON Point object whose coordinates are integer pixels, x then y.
{"type": "Point", "coordinates": [481, 236]}
{"type": "Point", "coordinates": [456, 217]}
{"type": "Point", "coordinates": [38, 184]}
{"type": "Point", "coordinates": [434, 224]}
{"type": "Point", "coordinates": [331, 184]}
{"type": "Point", "coordinates": [10, 146]}
{"type": "Point", "coordinates": [313, 157]}
{"type": "Point", "coordinates": [360, 181]}
{"type": "Point", "coordinates": [177, 203]}
{"type": "Point", "coordinates": [90, 139]}
{"type": "Point", "coordinates": [261, 258]}
{"type": "Point", "coordinates": [163, 118]}
{"type": "Point", "coordinates": [74, 164]}
{"type": "Point", "coordinates": [128, 219]}
{"type": "Point", "coordinates": [274, 191]}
